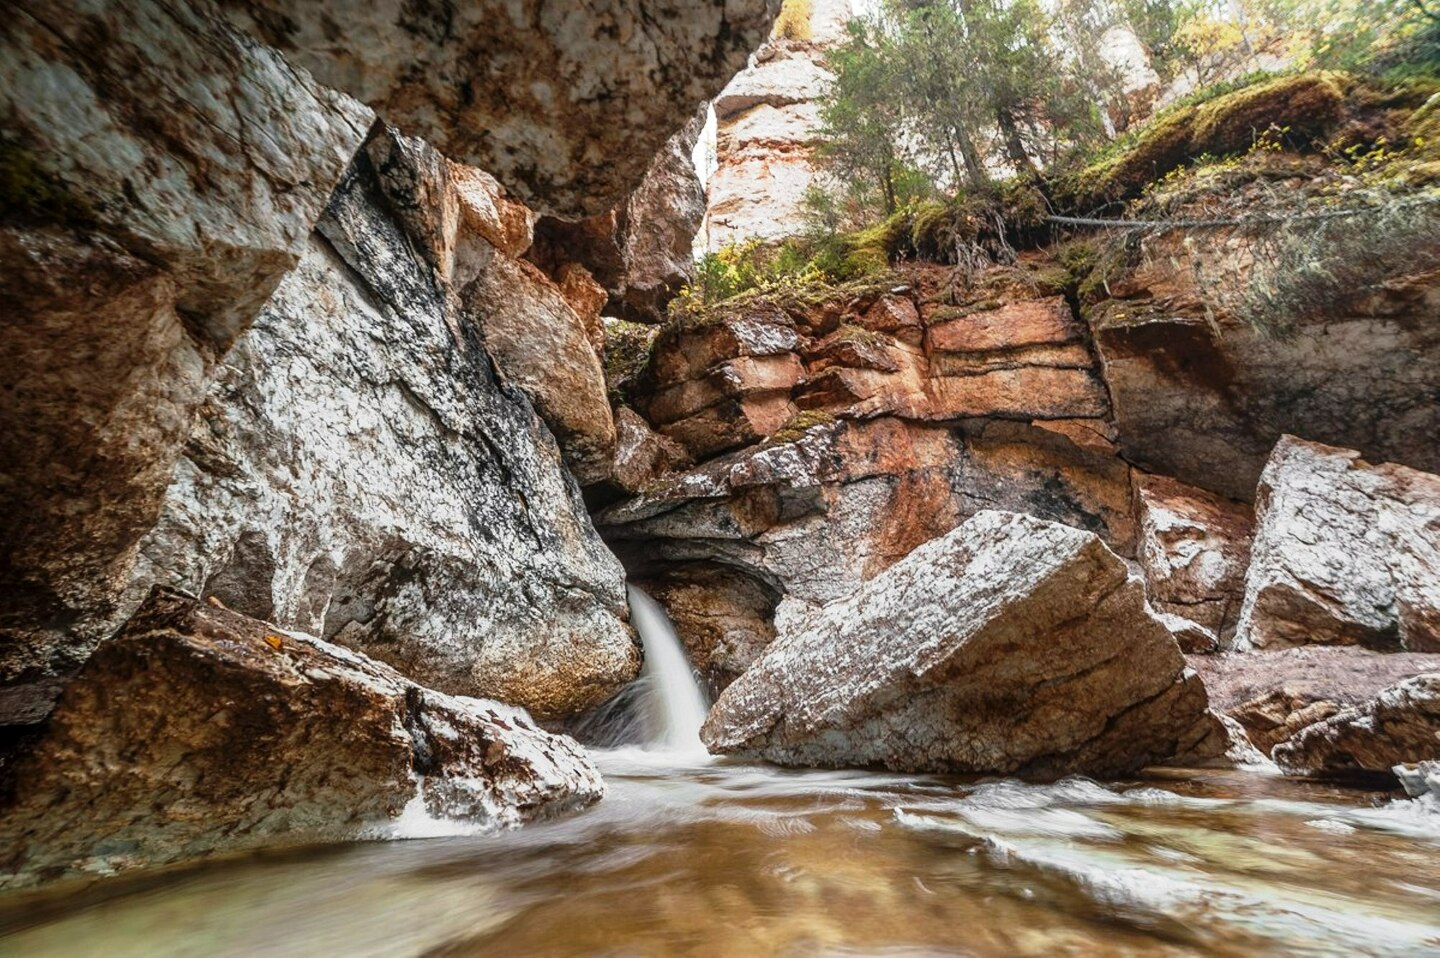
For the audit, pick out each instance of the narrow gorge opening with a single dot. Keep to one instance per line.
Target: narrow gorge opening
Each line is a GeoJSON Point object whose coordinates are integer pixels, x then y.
{"type": "Point", "coordinates": [705, 478]}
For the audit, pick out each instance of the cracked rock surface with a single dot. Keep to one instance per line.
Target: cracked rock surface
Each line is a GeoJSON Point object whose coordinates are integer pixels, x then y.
{"type": "Point", "coordinates": [1011, 645]}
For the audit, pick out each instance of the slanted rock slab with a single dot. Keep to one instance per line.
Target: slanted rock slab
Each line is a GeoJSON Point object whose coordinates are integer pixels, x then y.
{"type": "Point", "coordinates": [1012, 645]}
{"type": "Point", "coordinates": [197, 730]}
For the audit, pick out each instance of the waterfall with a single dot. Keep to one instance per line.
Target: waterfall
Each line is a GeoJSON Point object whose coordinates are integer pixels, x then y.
{"type": "Point", "coordinates": [674, 703]}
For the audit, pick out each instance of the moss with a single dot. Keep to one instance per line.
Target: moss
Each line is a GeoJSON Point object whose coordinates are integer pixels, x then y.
{"type": "Point", "coordinates": [627, 350]}
{"type": "Point", "coordinates": [799, 424]}
{"type": "Point", "coordinates": [1303, 107]}
{"type": "Point", "coordinates": [793, 23]}
{"type": "Point", "coordinates": [30, 194]}
{"type": "Point", "coordinates": [850, 333]}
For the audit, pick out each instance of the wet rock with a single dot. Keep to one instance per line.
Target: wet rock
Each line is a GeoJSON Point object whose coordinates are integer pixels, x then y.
{"type": "Point", "coordinates": [360, 472]}
{"type": "Point", "coordinates": [145, 224]}
{"type": "Point", "coordinates": [1276, 694]}
{"type": "Point", "coordinates": [1399, 725]}
{"type": "Point", "coordinates": [1421, 778]}
{"type": "Point", "coordinates": [1345, 553]}
{"type": "Point", "coordinates": [1011, 645]}
{"type": "Point", "coordinates": [565, 104]}
{"type": "Point", "coordinates": [724, 618]}
{"type": "Point", "coordinates": [1194, 548]}
{"type": "Point", "coordinates": [230, 734]}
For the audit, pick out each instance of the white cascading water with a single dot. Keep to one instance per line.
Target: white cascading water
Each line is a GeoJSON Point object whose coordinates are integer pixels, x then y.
{"type": "Point", "coordinates": [674, 702]}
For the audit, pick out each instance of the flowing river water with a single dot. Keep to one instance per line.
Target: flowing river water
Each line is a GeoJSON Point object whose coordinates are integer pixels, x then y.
{"type": "Point", "coordinates": [693, 856]}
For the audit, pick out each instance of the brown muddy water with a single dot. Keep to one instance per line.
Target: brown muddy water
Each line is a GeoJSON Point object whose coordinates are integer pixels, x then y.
{"type": "Point", "coordinates": [712, 858]}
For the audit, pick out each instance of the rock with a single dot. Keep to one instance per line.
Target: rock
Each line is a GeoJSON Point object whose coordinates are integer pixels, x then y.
{"type": "Point", "coordinates": [1194, 548]}
{"type": "Point", "coordinates": [656, 229]}
{"type": "Point", "coordinates": [235, 735]}
{"type": "Point", "coordinates": [1276, 694]}
{"type": "Point", "coordinates": [824, 510]}
{"type": "Point", "coordinates": [565, 104]}
{"type": "Point", "coordinates": [542, 346]}
{"type": "Point", "coordinates": [641, 455]}
{"type": "Point", "coordinates": [1200, 395]}
{"type": "Point", "coordinates": [767, 124]}
{"type": "Point", "coordinates": [1421, 778]}
{"type": "Point", "coordinates": [1399, 725]}
{"type": "Point", "coordinates": [642, 251]}
{"type": "Point", "coordinates": [724, 618]}
{"type": "Point", "coordinates": [1011, 645]}
{"type": "Point", "coordinates": [485, 209]}
{"type": "Point", "coordinates": [1345, 553]}
{"type": "Point", "coordinates": [360, 472]}
{"type": "Point", "coordinates": [1191, 636]}
{"type": "Point", "coordinates": [145, 224]}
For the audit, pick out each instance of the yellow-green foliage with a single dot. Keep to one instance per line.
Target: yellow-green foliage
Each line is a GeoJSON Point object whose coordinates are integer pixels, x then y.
{"type": "Point", "coordinates": [793, 23]}
{"type": "Point", "coordinates": [1305, 106]}
{"type": "Point", "coordinates": [27, 192]}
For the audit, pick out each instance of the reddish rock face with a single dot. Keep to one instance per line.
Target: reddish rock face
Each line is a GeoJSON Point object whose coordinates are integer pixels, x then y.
{"type": "Point", "coordinates": [197, 730]}
{"type": "Point", "coordinates": [1200, 395]}
{"type": "Point", "coordinates": [1009, 325]}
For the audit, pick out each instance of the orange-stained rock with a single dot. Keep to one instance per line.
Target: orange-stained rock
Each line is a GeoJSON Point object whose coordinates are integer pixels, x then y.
{"type": "Point", "coordinates": [1034, 392]}
{"type": "Point", "coordinates": [738, 378]}
{"type": "Point", "coordinates": [896, 316]}
{"type": "Point", "coordinates": [509, 226]}
{"type": "Point", "coordinates": [1022, 323]}
{"type": "Point", "coordinates": [587, 298]}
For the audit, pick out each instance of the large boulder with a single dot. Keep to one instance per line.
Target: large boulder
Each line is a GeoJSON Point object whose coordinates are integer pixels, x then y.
{"type": "Point", "coordinates": [1011, 645]}
{"type": "Point", "coordinates": [1400, 725]}
{"type": "Point", "coordinates": [197, 730]}
{"type": "Point", "coordinates": [360, 472]}
{"type": "Point", "coordinates": [1194, 549]}
{"type": "Point", "coordinates": [1345, 553]}
{"type": "Point", "coordinates": [162, 173]}
{"type": "Point", "coordinates": [565, 103]}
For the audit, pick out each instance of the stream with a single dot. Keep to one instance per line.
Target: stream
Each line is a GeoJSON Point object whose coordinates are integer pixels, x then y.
{"type": "Point", "coordinates": [690, 855]}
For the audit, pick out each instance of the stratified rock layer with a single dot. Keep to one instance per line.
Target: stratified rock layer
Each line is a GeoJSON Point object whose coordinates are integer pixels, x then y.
{"type": "Point", "coordinates": [1400, 725]}
{"type": "Point", "coordinates": [1345, 553]}
{"type": "Point", "coordinates": [197, 730]}
{"type": "Point", "coordinates": [1201, 395]}
{"type": "Point", "coordinates": [360, 472]}
{"type": "Point", "coordinates": [564, 102]}
{"type": "Point", "coordinates": [1012, 645]}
